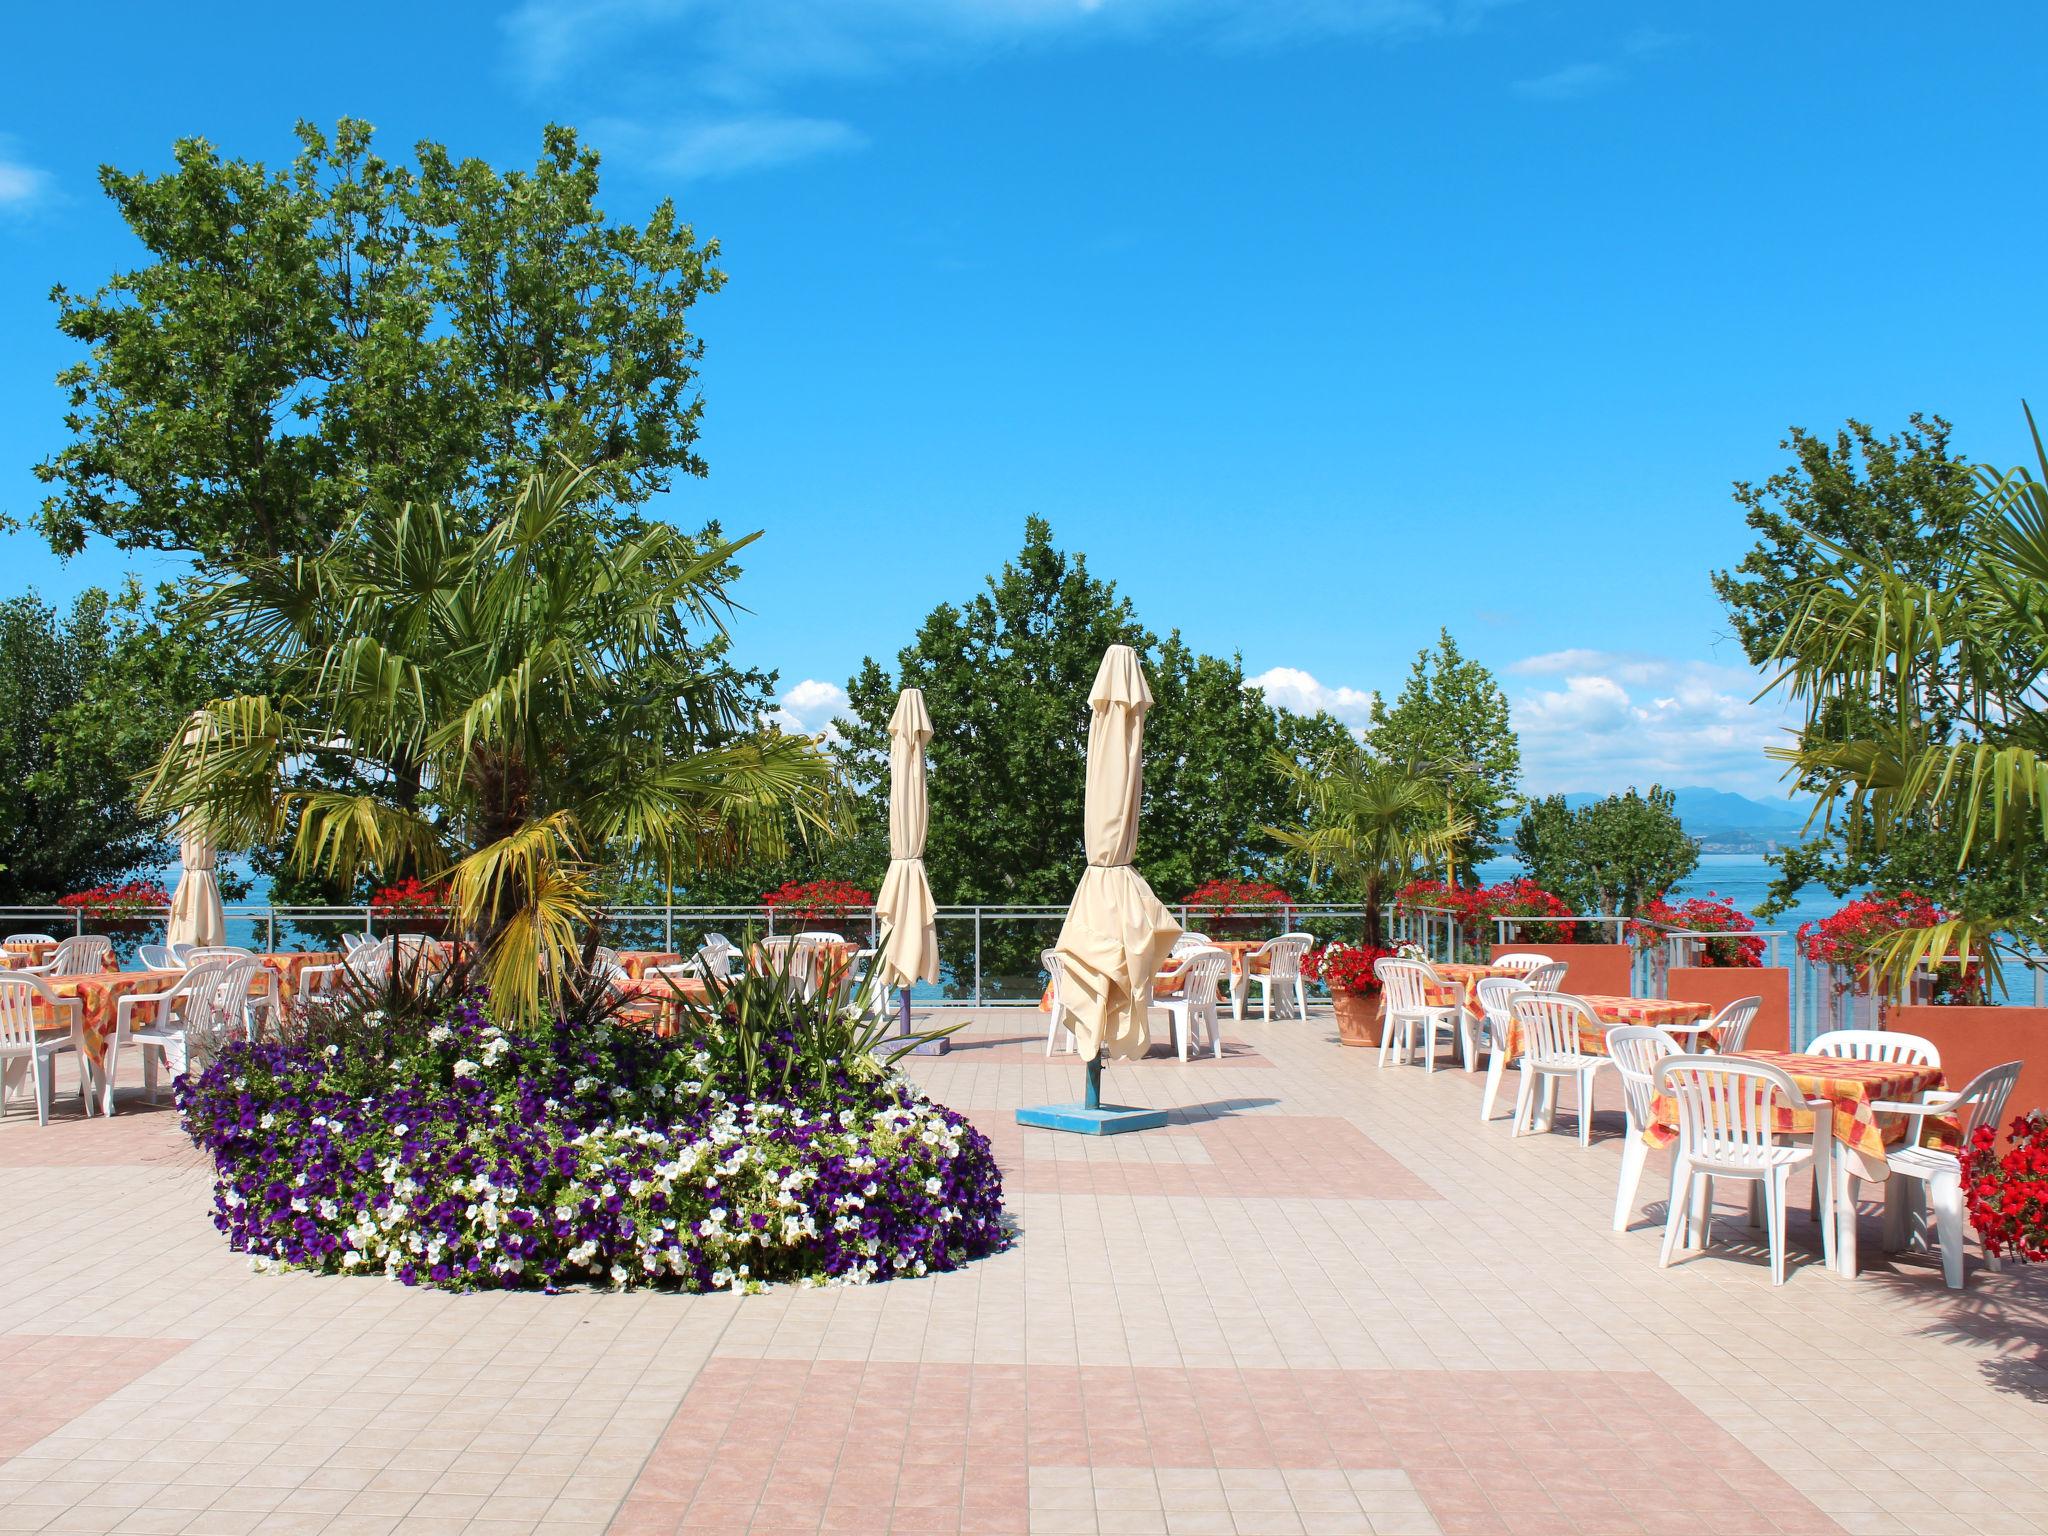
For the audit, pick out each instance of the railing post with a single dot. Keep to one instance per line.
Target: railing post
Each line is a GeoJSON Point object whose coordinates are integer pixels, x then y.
{"type": "Point", "coordinates": [977, 957]}
{"type": "Point", "coordinates": [668, 923]}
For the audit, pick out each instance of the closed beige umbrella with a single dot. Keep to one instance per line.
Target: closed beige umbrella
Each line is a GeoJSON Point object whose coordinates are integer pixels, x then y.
{"type": "Point", "coordinates": [1116, 934]}
{"type": "Point", "coordinates": [196, 915]}
{"type": "Point", "coordinates": [909, 917]}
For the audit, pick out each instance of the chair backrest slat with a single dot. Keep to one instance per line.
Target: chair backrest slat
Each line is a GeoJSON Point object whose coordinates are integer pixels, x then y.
{"type": "Point", "coordinates": [1405, 983]}
{"type": "Point", "coordinates": [1637, 1049]}
{"type": "Point", "coordinates": [18, 995]}
{"type": "Point", "coordinates": [82, 955]}
{"type": "Point", "coordinates": [1283, 955]}
{"type": "Point", "coordinates": [1547, 977]}
{"type": "Point", "coordinates": [1202, 971]}
{"type": "Point", "coordinates": [1522, 960]}
{"type": "Point", "coordinates": [1726, 1103]}
{"type": "Point", "coordinates": [1731, 1023]}
{"type": "Point", "coordinates": [1886, 1045]}
{"type": "Point", "coordinates": [1551, 1022]}
{"type": "Point", "coordinates": [1982, 1101]}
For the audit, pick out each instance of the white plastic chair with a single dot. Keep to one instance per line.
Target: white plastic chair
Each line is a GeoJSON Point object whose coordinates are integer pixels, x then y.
{"type": "Point", "coordinates": [1190, 940]}
{"type": "Point", "coordinates": [1496, 995]}
{"type": "Point", "coordinates": [85, 954]}
{"type": "Point", "coordinates": [1726, 1130]}
{"type": "Point", "coordinates": [215, 954]}
{"type": "Point", "coordinates": [1636, 1050]}
{"type": "Point", "coordinates": [712, 960]}
{"type": "Point", "coordinates": [181, 952]}
{"type": "Point", "coordinates": [197, 1014]}
{"type": "Point", "coordinates": [1730, 1023]}
{"type": "Point", "coordinates": [1524, 961]}
{"type": "Point", "coordinates": [1548, 977]}
{"type": "Point", "coordinates": [29, 938]}
{"type": "Point", "coordinates": [158, 957]}
{"type": "Point", "coordinates": [1981, 1102]}
{"type": "Point", "coordinates": [1887, 1045]}
{"type": "Point", "coordinates": [1201, 972]}
{"type": "Point", "coordinates": [1282, 974]}
{"type": "Point", "coordinates": [22, 1046]}
{"type": "Point", "coordinates": [1057, 1024]}
{"type": "Point", "coordinates": [1551, 1052]}
{"type": "Point", "coordinates": [1407, 1010]}
{"type": "Point", "coordinates": [353, 941]}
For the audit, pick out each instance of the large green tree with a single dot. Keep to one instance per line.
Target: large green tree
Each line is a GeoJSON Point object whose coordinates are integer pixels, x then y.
{"type": "Point", "coordinates": [304, 340]}
{"type": "Point", "coordinates": [1451, 720]}
{"type": "Point", "coordinates": [1610, 856]}
{"type": "Point", "coordinates": [1924, 711]}
{"type": "Point", "coordinates": [92, 696]}
{"type": "Point", "coordinates": [1901, 502]}
{"type": "Point", "coordinates": [1006, 675]}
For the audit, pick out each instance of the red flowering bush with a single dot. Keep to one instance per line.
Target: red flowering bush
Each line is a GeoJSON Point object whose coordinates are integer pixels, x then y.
{"type": "Point", "coordinates": [2007, 1193]}
{"type": "Point", "coordinates": [1236, 906]}
{"type": "Point", "coordinates": [408, 896]}
{"type": "Point", "coordinates": [811, 903]}
{"type": "Point", "coordinates": [1477, 906]}
{"type": "Point", "coordinates": [1344, 967]}
{"type": "Point", "coordinates": [109, 905]}
{"type": "Point", "coordinates": [1710, 913]}
{"type": "Point", "coordinates": [1846, 939]}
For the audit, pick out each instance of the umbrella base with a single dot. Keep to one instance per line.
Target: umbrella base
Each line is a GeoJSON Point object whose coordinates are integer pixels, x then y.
{"type": "Point", "coordinates": [1092, 1119]}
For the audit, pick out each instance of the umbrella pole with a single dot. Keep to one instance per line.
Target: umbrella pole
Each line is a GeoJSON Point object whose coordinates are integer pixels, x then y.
{"type": "Point", "coordinates": [1092, 1094]}
{"type": "Point", "coordinates": [938, 1047]}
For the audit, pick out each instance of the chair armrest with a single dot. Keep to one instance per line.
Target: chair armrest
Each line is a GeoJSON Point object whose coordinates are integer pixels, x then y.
{"type": "Point", "coordinates": [1895, 1107]}
{"type": "Point", "coordinates": [1941, 1098]}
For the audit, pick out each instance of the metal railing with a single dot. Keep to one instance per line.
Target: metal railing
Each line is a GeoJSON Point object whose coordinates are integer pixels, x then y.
{"type": "Point", "coordinates": [989, 953]}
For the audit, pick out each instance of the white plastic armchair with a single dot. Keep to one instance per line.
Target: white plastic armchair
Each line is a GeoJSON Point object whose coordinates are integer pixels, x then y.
{"type": "Point", "coordinates": [1201, 972]}
{"type": "Point", "coordinates": [158, 957]}
{"type": "Point", "coordinates": [217, 954]}
{"type": "Point", "coordinates": [1496, 995]}
{"type": "Point", "coordinates": [1276, 967]}
{"type": "Point", "coordinates": [1548, 977]}
{"type": "Point", "coordinates": [1727, 1109]}
{"type": "Point", "coordinates": [712, 961]}
{"type": "Point", "coordinates": [1056, 1025]}
{"type": "Point", "coordinates": [1893, 1046]}
{"type": "Point", "coordinates": [1551, 1053]}
{"type": "Point", "coordinates": [23, 1048]}
{"type": "Point", "coordinates": [1940, 1172]}
{"type": "Point", "coordinates": [181, 952]}
{"type": "Point", "coordinates": [1407, 1014]}
{"type": "Point", "coordinates": [192, 1018]}
{"type": "Point", "coordinates": [29, 938]}
{"type": "Point", "coordinates": [1637, 1051]}
{"type": "Point", "coordinates": [1188, 940]}
{"type": "Point", "coordinates": [1524, 961]}
{"type": "Point", "coordinates": [1730, 1023]}
{"type": "Point", "coordinates": [84, 954]}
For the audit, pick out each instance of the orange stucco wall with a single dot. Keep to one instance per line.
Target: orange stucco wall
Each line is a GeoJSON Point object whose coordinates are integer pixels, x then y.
{"type": "Point", "coordinates": [1971, 1039]}
{"type": "Point", "coordinates": [1598, 968]}
{"type": "Point", "coordinates": [1718, 984]}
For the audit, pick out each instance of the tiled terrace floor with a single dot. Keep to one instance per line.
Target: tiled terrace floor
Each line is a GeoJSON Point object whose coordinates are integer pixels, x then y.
{"type": "Point", "coordinates": [1324, 1299]}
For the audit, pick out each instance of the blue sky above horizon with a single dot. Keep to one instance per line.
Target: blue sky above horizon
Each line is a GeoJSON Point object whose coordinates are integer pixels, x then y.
{"type": "Point", "coordinates": [1317, 324]}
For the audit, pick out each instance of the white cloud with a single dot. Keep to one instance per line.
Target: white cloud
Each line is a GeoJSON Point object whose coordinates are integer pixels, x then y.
{"type": "Point", "coordinates": [808, 708]}
{"type": "Point", "coordinates": [739, 51]}
{"type": "Point", "coordinates": [728, 146]}
{"type": "Point", "coordinates": [1616, 719]}
{"type": "Point", "coordinates": [20, 184]}
{"type": "Point", "coordinates": [1290, 688]}
{"type": "Point", "coordinates": [1568, 83]}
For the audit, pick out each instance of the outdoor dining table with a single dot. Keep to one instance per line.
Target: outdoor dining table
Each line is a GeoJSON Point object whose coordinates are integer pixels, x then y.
{"type": "Point", "coordinates": [291, 967]}
{"type": "Point", "coordinates": [1860, 1133]}
{"type": "Point", "coordinates": [1661, 1012]}
{"type": "Point", "coordinates": [1463, 978]}
{"type": "Point", "coordinates": [638, 962]}
{"type": "Point", "coordinates": [88, 1010]}
{"type": "Point", "coordinates": [658, 1001]}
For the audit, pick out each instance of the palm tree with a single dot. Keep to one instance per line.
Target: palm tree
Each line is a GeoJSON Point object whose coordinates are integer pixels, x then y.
{"type": "Point", "coordinates": [514, 711]}
{"type": "Point", "coordinates": [1925, 703]}
{"type": "Point", "coordinates": [1371, 822]}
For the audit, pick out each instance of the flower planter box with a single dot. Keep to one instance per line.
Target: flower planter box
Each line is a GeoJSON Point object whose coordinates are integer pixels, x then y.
{"type": "Point", "coordinates": [1599, 968]}
{"type": "Point", "coordinates": [1973, 1038]}
{"type": "Point", "coordinates": [1717, 984]}
{"type": "Point", "coordinates": [1358, 1016]}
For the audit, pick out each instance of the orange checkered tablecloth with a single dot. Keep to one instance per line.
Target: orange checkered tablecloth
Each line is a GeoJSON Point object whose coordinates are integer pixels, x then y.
{"type": "Point", "coordinates": [1464, 977]}
{"type": "Point", "coordinates": [1612, 1010]}
{"type": "Point", "coordinates": [291, 968]}
{"type": "Point", "coordinates": [19, 956]}
{"type": "Point", "coordinates": [1853, 1086]}
{"type": "Point", "coordinates": [97, 995]}
{"type": "Point", "coordinates": [658, 1001]}
{"type": "Point", "coordinates": [638, 962]}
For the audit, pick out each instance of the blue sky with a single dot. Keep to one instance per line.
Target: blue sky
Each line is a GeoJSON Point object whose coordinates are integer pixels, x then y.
{"type": "Point", "coordinates": [1318, 324]}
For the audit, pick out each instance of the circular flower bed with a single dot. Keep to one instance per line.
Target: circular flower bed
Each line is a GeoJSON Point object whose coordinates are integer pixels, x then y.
{"type": "Point", "coordinates": [455, 1153]}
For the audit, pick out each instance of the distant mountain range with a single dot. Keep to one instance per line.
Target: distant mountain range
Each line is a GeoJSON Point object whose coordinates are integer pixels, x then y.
{"type": "Point", "coordinates": [1726, 822]}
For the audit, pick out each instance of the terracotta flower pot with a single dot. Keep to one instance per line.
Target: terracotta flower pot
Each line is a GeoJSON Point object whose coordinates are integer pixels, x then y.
{"type": "Point", "coordinates": [1358, 1015]}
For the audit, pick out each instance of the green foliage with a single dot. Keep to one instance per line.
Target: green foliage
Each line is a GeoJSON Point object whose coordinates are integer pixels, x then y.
{"type": "Point", "coordinates": [1923, 709]}
{"type": "Point", "coordinates": [1452, 718]}
{"type": "Point", "coordinates": [1373, 824]}
{"type": "Point", "coordinates": [517, 709]}
{"type": "Point", "coordinates": [92, 697]}
{"type": "Point", "coordinates": [1006, 677]}
{"type": "Point", "coordinates": [347, 329]}
{"type": "Point", "coordinates": [1903, 502]}
{"type": "Point", "coordinates": [1610, 856]}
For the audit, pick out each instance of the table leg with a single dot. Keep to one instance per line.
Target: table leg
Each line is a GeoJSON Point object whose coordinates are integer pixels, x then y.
{"type": "Point", "coordinates": [1844, 1170]}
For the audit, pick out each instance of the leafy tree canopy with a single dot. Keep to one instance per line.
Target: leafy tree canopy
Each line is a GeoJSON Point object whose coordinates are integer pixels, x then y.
{"type": "Point", "coordinates": [344, 330]}
{"type": "Point", "coordinates": [1451, 719]}
{"type": "Point", "coordinates": [92, 698]}
{"type": "Point", "coordinates": [1610, 856]}
{"type": "Point", "coordinates": [1006, 676]}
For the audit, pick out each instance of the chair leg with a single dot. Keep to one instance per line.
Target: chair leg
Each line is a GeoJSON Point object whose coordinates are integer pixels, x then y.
{"type": "Point", "coordinates": [1675, 1208]}
{"type": "Point", "coordinates": [44, 1070]}
{"type": "Point", "coordinates": [1584, 1080]}
{"type": "Point", "coordinates": [1300, 999]}
{"type": "Point", "coordinates": [1389, 1022]}
{"type": "Point", "coordinates": [1634, 1154]}
{"type": "Point", "coordinates": [1773, 1186]}
{"type": "Point", "coordinates": [1525, 1103]}
{"type": "Point", "coordinates": [1945, 1194]}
